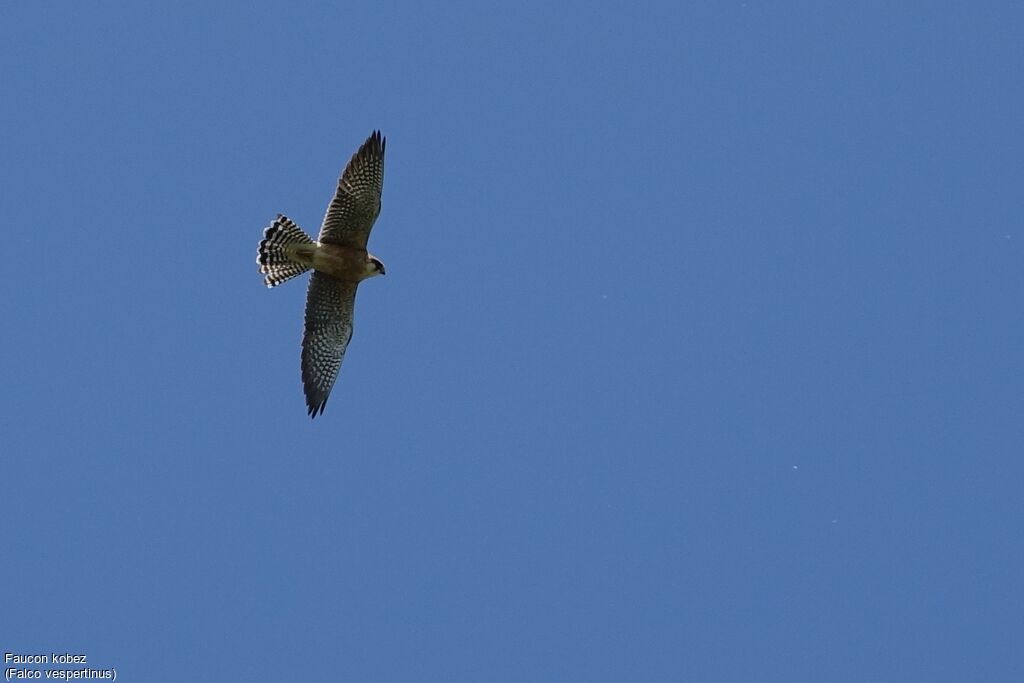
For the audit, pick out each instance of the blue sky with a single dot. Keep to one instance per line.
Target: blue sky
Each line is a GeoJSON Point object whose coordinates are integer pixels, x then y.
{"type": "Point", "coordinates": [699, 356]}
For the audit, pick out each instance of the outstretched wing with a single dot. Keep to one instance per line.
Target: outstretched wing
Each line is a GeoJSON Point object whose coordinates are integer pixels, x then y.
{"type": "Point", "coordinates": [329, 306]}
{"type": "Point", "coordinates": [356, 203]}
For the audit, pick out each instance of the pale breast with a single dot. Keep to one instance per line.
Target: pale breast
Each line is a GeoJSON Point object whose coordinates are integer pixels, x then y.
{"type": "Point", "coordinates": [344, 263]}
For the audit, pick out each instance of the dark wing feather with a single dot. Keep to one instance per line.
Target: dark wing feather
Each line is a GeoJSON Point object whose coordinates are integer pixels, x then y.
{"type": "Point", "coordinates": [356, 203]}
{"type": "Point", "coordinates": [329, 307]}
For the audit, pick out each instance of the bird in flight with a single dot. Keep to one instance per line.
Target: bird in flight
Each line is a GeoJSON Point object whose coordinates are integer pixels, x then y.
{"type": "Point", "coordinates": [339, 261]}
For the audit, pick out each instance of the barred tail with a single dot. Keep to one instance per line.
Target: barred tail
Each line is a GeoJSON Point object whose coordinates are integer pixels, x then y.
{"type": "Point", "coordinates": [280, 238]}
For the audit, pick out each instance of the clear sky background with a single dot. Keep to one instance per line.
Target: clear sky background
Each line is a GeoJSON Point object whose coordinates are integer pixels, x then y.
{"type": "Point", "coordinates": [699, 355]}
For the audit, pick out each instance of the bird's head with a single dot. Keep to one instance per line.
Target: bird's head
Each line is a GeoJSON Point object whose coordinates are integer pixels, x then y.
{"type": "Point", "coordinates": [374, 266]}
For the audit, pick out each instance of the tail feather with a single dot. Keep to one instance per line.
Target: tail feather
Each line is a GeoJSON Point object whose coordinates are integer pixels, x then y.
{"type": "Point", "coordinates": [273, 257]}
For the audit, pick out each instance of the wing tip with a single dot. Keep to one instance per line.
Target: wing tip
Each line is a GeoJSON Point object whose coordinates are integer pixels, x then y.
{"type": "Point", "coordinates": [375, 143]}
{"type": "Point", "coordinates": [315, 407]}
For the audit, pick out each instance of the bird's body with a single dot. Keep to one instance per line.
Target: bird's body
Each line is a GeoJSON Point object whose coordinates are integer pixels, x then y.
{"type": "Point", "coordinates": [339, 261]}
{"type": "Point", "coordinates": [342, 263]}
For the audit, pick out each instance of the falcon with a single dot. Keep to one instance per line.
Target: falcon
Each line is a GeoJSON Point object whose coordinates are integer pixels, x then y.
{"type": "Point", "coordinates": [339, 261]}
